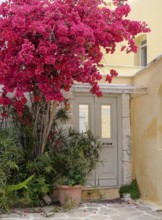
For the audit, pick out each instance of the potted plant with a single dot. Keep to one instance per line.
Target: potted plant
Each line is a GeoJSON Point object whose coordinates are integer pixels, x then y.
{"type": "Point", "coordinates": [76, 157]}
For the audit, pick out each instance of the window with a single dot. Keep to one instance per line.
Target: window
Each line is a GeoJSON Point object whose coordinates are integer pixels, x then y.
{"type": "Point", "coordinates": [105, 121]}
{"type": "Point", "coordinates": [140, 58]}
{"type": "Point", "coordinates": [143, 52]}
{"type": "Point", "coordinates": [83, 118]}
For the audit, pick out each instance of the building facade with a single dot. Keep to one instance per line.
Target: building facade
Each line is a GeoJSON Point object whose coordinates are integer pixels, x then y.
{"type": "Point", "coordinates": [128, 118]}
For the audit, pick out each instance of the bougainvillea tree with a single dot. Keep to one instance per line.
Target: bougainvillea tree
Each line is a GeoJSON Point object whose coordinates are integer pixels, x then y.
{"type": "Point", "coordinates": [48, 45]}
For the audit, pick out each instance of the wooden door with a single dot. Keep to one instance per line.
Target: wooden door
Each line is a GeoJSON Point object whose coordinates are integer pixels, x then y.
{"type": "Point", "coordinates": [100, 116]}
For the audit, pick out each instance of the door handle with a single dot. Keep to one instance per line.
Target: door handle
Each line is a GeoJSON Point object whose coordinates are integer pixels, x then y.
{"type": "Point", "coordinates": [107, 143]}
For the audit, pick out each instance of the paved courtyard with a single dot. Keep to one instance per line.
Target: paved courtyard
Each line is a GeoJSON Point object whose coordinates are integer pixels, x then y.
{"type": "Point", "coordinates": [107, 210]}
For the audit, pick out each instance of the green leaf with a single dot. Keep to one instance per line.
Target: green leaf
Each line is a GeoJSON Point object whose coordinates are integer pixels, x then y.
{"type": "Point", "coordinates": [11, 188]}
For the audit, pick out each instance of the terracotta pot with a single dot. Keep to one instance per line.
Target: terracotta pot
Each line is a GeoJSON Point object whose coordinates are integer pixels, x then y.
{"type": "Point", "coordinates": [69, 196]}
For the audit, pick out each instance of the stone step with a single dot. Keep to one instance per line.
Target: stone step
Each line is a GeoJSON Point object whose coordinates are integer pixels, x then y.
{"type": "Point", "coordinates": [99, 193]}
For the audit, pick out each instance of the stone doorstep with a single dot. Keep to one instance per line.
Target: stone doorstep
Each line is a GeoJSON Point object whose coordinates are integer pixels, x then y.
{"type": "Point", "coordinates": [94, 194]}
{"type": "Point", "coordinates": [99, 193]}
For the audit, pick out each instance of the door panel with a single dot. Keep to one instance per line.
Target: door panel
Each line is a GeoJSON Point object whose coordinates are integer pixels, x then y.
{"type": "Point", "coordinates": [100, 116]}
{"type": "Point", "coordinates": [107, 172]}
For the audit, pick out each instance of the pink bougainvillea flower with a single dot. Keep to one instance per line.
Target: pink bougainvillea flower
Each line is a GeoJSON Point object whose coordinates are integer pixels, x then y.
{"type": "Point", "coordinates": [46, 46]}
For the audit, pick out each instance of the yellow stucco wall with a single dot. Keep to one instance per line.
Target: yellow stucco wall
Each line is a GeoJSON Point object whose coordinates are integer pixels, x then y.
{"type": "Point", "coordinates": [142, 10]}
{"type": "Point", "coordinates": [149, 11]}
{"type": "Point", "coordinates": [119, 80]}
{"type": "Point", "coordinates": [147, 132]}
{"type": "Point", "coordinates": [146, 109]}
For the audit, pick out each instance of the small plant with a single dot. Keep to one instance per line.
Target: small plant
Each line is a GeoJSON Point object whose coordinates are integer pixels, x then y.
{"type": "Point", "coordinates": [131, 189]}
{"type": "Point", "coordinates": [124, 189]}
{"type": "Point", "coordinates": [69, 202]}
{"type": "Point", "coordinates": [134, 190]}
{"type": "Point", "coordinates": [76, 156]}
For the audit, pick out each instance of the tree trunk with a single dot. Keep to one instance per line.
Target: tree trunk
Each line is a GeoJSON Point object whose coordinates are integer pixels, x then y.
{"type": "Point", "coordinates": [43, 114]}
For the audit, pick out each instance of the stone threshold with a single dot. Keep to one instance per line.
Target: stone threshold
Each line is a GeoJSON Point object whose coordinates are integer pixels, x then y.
{"type": "Point", "coordinates": [99, 193]}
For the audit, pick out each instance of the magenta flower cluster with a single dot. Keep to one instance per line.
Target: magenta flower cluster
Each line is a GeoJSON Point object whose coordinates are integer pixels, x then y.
{"type": "Point", "coordinates": [47, 45]}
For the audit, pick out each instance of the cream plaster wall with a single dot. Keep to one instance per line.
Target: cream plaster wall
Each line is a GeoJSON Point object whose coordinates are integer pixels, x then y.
{"type": "Point", "coordinates": [146, 124]}
{"type": "Point", "coordinates": [149, 11]}
{"type": "Point", "coordinates": [119, 58]}
{"type": "Point", "coordinates": [125, 74]}
{"type": "Point", "coordinates": [142, 10]}
{"type": "Point", "coordinates": [119, 80]}
{"type": "Point", "coordinates": [146, 108]}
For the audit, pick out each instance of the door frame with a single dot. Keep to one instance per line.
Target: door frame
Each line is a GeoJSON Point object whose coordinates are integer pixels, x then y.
{"type": "Point", "coordinates": [118, 98]}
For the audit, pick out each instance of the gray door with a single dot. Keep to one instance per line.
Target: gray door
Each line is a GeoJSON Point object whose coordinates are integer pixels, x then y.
{"type": "Point", "coordinates": [100, 116]}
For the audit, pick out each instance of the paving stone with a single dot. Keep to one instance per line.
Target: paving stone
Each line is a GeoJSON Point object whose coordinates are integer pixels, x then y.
{"type": "Point", "coordinates": [59, 215]}
{"type": "Point", "coordinates": [92, 209]}
{"type": "Point", "coordinates": [54, 218]}
{"type": "Point", "coordinates": [97, 205]}
{"type": "Point", "coordinates": [9, 218]}
{"type": "Point", "coordinates": [107, 211]}
{"type": "Point", "coordinates": [130, 214]}
{"type": "Point", "coordinates": [117, 218]}
{"type": "Point", "coordinates": [83, 214]}
{"type": "Point", "coordinates": [127, 209]}
{"type": "Point", "coordinates": [25, 218]}
{"type": "Point", "coordinates": [155, 214]}
{"type": "Point", "coordinates": [69, 218]}
{"type": "Point", "coordinates": [120, 206]}
{"type": "Point", "coordinates": [100, 218]}
{"type": "Point", "coordinates": [144, 208]}
{"type": "Point", "coordinates": [145, 217]}
{"type": "Point", "coordinates": [87, 218]}
{"type": "Point", "coordinates": [89, 211]}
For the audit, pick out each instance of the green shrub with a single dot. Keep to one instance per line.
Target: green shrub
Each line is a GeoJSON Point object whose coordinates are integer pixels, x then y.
{"type": "Point", "coordinates": [45, 175]}
{"type": "Point", "coordinates": [11, 158]}
{"type": "Point", "coordinates": [132, 189]}
{"type": "Point", "coordinates": [69, 157]}
{"type": "Point", "coordinates": [124, 190]}
{"type": "Point", "coordinates": [9, 198]}
{"type": "Point", "coordinates": [76, 157]}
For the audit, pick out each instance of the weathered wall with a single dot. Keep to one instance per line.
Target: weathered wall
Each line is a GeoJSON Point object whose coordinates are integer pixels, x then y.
{"type": "Point", "coordinates": [126, 139]}
{"type": "Point", "coordinates": [147, 132]}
